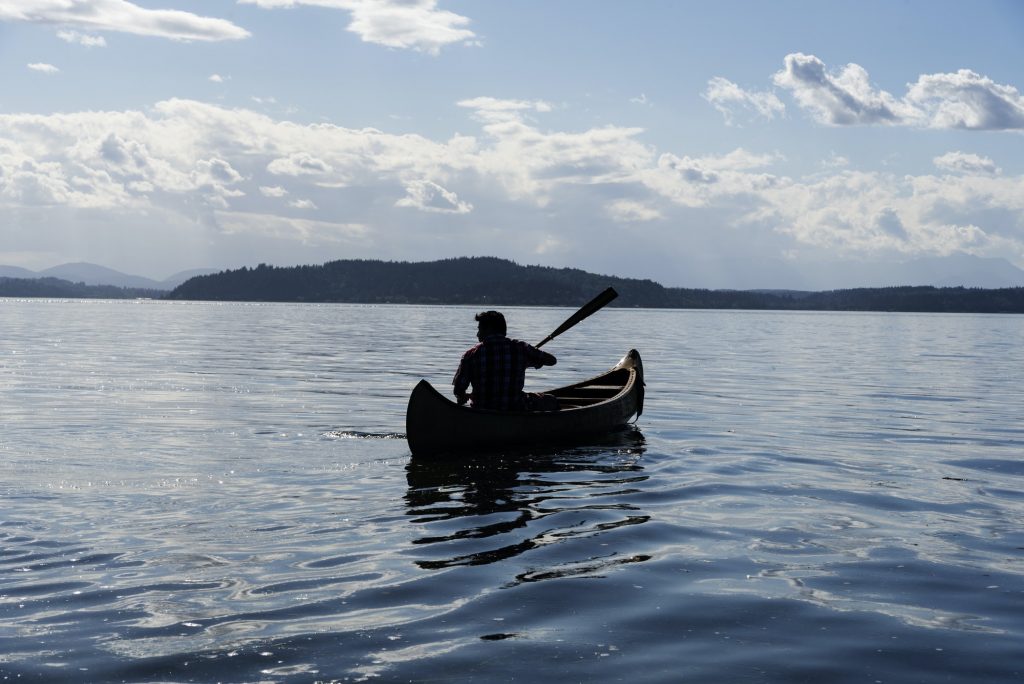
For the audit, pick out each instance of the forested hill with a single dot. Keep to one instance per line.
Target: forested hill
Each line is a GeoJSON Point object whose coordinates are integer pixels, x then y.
{"type": "Point", "coordinates": [479, 280]}
{"type": "Point", "coordinates": [58, 288]}
{"type": "Point", "coordinates": [489, 281]}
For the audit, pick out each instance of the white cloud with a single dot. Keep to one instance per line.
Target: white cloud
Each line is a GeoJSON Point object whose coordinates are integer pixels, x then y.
{"type": "Point", "coordinates": [711, 179]}
{"type": "Point", "coordinates": [494, 110]}
{"type": "Point", "coordinates": [630, 211]}
{"type": "Point", "coordinates": [29, 183]}
{"type": "Point", "coordinates": [124, 155]}
{"type": "Point", "coordinates": [82, 39]}
{"type": "Point", "coordinates": [216, 78]}
{"type": "Point", "coordinates": [495, 104]}
{"type": "Point", "coordinates": [406, 24]}
{"type": "Point", "coordinates": [285, 228]}
{"type": "Point", "coordinates": [213, 177]}
{"type": "Point", "coordinates": [43, 68]}
{"type": "Point", "coordinates": [215, 172]}
{"type": "Point", "coordinates": [843, 212]}
{"type": "Point", "coordinates": [728, 98]}
{"type": "Point", "coordinates": [273, 191]}
{"type": "Point", "coordinates": [122, 16]}
{"type": "Point", "coordinates": [429, 196]}
{"type": "Point", "coordinates": [302, 204]}
{"type": "Point", "coordinates": [967, 100]}
{"type": "Point", "coordinates": [963, 162]}
{"type": "Point", "coordinates": [532, 164]}
{"type": "Point", "coordinates": [299, 164]}
{"type": "Point", "coordinates": [409, 24]}
{"type": "Point", "coordinates": [835, 161]}
{"type": "Point", "coordinates": [846, 97]}
{"type": "Point", "coordinates": [550, 244]}
{"type": "Point", "coordinates": [843, 98]}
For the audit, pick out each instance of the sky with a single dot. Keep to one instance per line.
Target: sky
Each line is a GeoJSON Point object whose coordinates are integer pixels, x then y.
{"type": "Point", "coordinates": [699, 144]}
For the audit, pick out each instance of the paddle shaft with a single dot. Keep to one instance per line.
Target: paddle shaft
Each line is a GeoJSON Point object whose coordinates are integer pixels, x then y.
{"type": "Point", "coordinates": [587, 309]}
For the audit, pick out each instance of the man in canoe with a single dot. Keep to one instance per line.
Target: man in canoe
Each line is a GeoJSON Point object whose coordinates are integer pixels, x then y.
{"type": "Point", "coordinates": [496, 368]}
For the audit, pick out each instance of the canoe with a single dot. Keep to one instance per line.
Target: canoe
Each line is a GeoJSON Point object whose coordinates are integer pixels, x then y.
{"type": "Point", "coordinates": [436, 425]}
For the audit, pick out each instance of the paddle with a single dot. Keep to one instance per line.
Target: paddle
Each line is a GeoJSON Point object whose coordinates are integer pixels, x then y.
{"type": "Point", "coordinates": [591, 307]}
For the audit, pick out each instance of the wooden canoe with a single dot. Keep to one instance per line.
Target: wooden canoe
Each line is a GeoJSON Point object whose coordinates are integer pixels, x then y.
{"type": "Point", "coordinates": [436, 425]}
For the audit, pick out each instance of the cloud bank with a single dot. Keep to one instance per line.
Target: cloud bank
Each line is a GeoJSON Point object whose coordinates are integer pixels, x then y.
{"type": "Point", "coordinates": [189, 180]}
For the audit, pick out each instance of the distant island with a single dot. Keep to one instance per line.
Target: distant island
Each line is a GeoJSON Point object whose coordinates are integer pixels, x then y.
{"type": "Point", "coordinates": [494, 282]}
{"type": "Point", "coordinates": [490, 281]}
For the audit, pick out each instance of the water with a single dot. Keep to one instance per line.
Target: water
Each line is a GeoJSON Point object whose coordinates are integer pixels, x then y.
{"type": "Point", "coordinates": [221, 492]}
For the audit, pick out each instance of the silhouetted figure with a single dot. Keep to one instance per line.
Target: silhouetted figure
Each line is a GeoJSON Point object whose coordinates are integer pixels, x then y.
{"type": "Point", "coordinates": [496, 368]}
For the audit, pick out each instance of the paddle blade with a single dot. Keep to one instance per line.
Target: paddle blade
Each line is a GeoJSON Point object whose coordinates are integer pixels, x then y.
{"type": "Point", "coordinates": [591, 307]}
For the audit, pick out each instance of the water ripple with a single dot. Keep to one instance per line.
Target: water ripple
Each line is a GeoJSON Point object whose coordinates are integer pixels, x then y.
{"type": "Point", "coordinates": [205, 492]}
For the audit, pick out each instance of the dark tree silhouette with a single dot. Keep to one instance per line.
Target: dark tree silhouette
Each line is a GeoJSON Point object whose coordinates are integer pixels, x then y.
{"type": "Point", "coordinates": [489, 281]}
{"type": "Point", "coordinates": [57, 288]}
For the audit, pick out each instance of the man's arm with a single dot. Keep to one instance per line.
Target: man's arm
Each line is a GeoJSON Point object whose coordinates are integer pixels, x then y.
{"type": "Point", "coordinates": [539, 357]}
{"type": "Point", "coordinates": [460, 383]}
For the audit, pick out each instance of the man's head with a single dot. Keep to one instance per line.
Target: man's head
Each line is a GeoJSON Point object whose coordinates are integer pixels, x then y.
{"type": "Point", "coordinates": [490, 323]}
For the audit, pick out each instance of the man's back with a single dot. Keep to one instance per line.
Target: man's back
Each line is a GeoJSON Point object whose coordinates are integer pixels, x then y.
{"type": "Point", "coordinates": [496, 368]}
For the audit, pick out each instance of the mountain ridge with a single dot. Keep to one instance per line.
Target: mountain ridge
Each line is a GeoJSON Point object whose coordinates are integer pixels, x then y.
{"type": "Point", "coordinates": [97, 275]}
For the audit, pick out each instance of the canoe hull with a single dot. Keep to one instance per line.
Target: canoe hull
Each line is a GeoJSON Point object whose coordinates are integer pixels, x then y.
{"type": "Point", "coordinates": [435, 425]}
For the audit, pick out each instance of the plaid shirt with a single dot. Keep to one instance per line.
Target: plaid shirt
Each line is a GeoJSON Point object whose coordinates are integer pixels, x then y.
{"type": "Point", "coordinates": [497, 370]}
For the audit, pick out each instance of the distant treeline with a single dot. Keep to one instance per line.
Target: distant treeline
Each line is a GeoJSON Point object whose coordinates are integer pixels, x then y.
{"type": "Point", "coordinates": [489, 281]}
{"type": "Point", "coordinates": [65, 289]}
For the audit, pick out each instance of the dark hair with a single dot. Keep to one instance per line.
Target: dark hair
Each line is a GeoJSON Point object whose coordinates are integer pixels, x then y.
{"type": "Point", "coordinates": [491, 321]}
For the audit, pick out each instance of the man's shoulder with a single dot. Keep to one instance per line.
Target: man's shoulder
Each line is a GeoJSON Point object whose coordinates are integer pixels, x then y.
{"type": "Point", "coordinates": [526, 346]}
{"type": "Point", "coordinates": [472, 350]}
{"type": "Point", "coordinates": [494, 344]}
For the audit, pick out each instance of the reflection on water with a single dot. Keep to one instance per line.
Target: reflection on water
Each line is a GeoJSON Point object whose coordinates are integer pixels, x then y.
{"type": "Point", "coordinates": [486, 509]}
{"type": "Point", "coordinates": [218, 492]}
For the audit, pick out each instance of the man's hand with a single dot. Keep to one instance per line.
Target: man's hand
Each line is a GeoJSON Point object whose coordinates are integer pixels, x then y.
{"type": "Point", "coordinates": [462, 398]}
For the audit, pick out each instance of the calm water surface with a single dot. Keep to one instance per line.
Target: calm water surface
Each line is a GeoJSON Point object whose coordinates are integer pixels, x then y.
{"type": "Point", "coordinates": [222, 492]}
